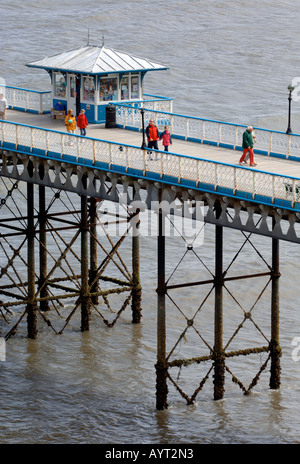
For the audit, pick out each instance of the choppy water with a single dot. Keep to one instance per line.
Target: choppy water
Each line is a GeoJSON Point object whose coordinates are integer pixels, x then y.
{"type": "Point", "coordinates": [230, 61]}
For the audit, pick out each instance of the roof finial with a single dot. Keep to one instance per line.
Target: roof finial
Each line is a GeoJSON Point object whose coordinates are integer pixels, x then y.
{"type": "Point", "coordinates": [88, 42]}
{"type": "Point", "coordinates": [102, 40]}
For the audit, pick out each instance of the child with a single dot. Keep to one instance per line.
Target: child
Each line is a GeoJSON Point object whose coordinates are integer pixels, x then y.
{"type": "Point", "coordinates": [70, 123]}
{"type": "Point", "coordinates": [166, 138]}
{"type": "Point", "coordinates": [82, 122]}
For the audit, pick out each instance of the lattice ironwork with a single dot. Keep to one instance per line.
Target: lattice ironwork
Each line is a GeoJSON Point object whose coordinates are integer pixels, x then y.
{"type": "Point", "coordinates": [191, 355]}
{"type": "Point", "coordinates": [58, 272]}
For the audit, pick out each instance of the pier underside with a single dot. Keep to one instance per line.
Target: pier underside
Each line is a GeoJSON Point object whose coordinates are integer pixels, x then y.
{"type": "Point", "coordinates": [70, 252]}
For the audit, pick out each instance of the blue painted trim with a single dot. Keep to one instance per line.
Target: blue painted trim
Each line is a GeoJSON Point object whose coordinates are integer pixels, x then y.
{"type": "Point", "coordinates": [23, 110]}
{"type": "Point", "coordinates": [27, 90]}
{"type": "Point", "coordinates": [165, 179]}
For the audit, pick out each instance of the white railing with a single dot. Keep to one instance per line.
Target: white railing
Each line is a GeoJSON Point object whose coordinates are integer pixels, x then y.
{"type": "Point", "coordinates": [214, 132]}
{"type": "Point", "coordinates": [27, 100]}
{"type": "Point", "coordinates": [188, 171]}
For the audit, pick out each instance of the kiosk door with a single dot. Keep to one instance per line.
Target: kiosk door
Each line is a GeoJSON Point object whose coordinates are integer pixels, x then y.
{"type": "Point", "coordinates": [72, 92]}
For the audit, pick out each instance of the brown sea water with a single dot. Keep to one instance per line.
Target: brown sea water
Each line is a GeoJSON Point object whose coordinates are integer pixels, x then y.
{"type": "Point", "coordinates": [229, 61]}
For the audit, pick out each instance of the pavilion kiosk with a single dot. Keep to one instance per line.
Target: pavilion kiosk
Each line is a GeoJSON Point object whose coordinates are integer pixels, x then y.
{"type": "Point", "coordinates": [91, 77]}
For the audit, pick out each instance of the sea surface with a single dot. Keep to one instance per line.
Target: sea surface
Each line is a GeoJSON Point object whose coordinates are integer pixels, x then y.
{"type": "Point", "coordinates": [230, 61]}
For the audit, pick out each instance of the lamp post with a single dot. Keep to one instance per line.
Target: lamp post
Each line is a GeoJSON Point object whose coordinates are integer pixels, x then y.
{"type": "Point", "coordinates": [143, 130]}
{"type": "Point", "coordinates": [290, 89]}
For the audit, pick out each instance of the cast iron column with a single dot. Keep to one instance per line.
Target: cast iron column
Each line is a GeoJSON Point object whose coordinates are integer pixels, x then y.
{"type": "Point", "coordinates": [136, 294]}
{"type": "Point", "coordinates": [161, 365]}
{"type": "Point", "coordinates": [93, 250]}
{"type": "Point", "coordinates": [275, 348]}
{"type": "Point", "coordinates": [219, 359]}
{"type": "Point", "coordinates": [31, 305]}
{"type": "Point", "coordinates": [85, 303]}
{"type": "Point", "coordinates": [44, 305]}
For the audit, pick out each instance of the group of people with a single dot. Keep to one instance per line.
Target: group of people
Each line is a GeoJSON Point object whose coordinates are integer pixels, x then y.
{"type": "Point", "coordinates": [81, 123]}
{"type": "Point", "coordinates": [153, 137]}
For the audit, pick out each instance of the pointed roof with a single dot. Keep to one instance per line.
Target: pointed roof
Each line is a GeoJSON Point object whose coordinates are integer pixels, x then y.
{"type": "Point", "coordinates": [93, 59]}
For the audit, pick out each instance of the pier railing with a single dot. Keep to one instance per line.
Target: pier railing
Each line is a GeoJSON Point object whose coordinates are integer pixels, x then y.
{"type": "Point", "coordinates": [35, 101]}
{"type": "Point", "coordinates": [32, 101]}
{"type": "Point", "coordinates": [222, 134]}
{"type": "Point", "coordinates": [180, 170]}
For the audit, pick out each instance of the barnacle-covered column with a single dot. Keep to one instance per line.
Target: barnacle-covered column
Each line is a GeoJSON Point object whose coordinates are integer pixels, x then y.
{"type": "Point", "coordinates": [84, 291]}
{"type": "Point", "coordinates": [219, 359]}
{"type": "Point", "coordinates": [44, 304]}
{"type": "Point", "coordinates": [93, 250]}
{"type": "Point", "coordinates": [161, 365]}
{"type": "Point", "coordinates": [31, 304]}
{"type": "Point", "coordinates": [275, 349]}
{"type": "Point", "coordinates": [136, 294]}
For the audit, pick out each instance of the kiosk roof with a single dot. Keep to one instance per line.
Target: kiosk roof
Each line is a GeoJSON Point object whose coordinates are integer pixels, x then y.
{"type": "Point", "coordinates": [93, 59]}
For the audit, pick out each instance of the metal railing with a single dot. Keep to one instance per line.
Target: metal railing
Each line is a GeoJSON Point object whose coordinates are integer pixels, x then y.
{"type": "Point", "coordinates": [228, 135]}
{"type": "Point", "coordinates": [181, 170]}
{"type": "Point", "coordinates": [32, 101]}
{"type": "Point", "coordinates": [35, 101]}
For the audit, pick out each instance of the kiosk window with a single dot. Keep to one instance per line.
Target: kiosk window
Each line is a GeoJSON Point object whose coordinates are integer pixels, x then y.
{"type": "Point", "coordinates": [88, 89]}
{"type": "Point", "coordinates": [135, 87]}
{"type": "Point", "coordinates": [125, 88]}
{"type": "Point", "coordinates": [108, 88]}
{"type": "Point", "coordinates": [59, 85]}
{"type": "Point", "coordinates": [72, 86]}
{"type": "Point", "coordinates": [130, 87]}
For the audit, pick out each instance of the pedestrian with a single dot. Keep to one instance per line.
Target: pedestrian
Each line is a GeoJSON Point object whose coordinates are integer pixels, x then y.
{"type": "Point", "coordinates": [82, 123]}
{"type": "Point", "coordinates": [166, 138]}
{"type": "Point", "coordinates": [3, 106]}
{"type": "Point", "coordinates": [248, 147]}
{"type": "Point", "coordinates": [152, 136]}
{"type": "Point", "coordinates": [70, 123]}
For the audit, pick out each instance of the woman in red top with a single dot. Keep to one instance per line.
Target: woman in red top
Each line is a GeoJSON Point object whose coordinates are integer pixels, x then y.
{"type": "Point", "coordinates": [152, 136]}
{"type": "Point", "coordinates": [82, 122]}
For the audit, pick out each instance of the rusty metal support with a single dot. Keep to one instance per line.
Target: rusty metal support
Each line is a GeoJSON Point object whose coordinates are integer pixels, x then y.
{"type": "Point", "coordinates": [275, 349]}
{"type": "Point", "coordinates": [219, 356]}
{"type": "Point", "coordinates": [84, 291]}
{"type": "Point", "coordinates": [93, 282]}
{"type": "Point", "coordinates": [31, 304]}
{"type": "Point", "coordinates": [44, 304]}
{"type": "Point", "coordinates": [136, 294]}
{"type": "Point", "coordinates": [161, 365]}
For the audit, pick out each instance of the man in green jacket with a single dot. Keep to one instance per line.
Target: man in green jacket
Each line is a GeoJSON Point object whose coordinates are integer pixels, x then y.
{"type": "Point", "coordinates": [248, 146]}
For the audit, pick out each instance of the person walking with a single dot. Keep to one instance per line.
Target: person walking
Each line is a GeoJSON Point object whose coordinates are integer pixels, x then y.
{"type": "Point", "coordinates": [152, 136]}
{"type": "Point", "coordinates": [248, 147]}
{"type": "Point", "coordinates": [82, 123]}
{"type": "Point", "coordinates": [166, 138]}
{"type": "Point", "coordinates": [70, 123]}
{"type": "Point", "coordinates": [3, 106]}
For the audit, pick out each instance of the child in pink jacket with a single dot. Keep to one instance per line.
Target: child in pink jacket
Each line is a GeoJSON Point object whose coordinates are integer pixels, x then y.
{"type": "Point", "coordinates": [166, 138]}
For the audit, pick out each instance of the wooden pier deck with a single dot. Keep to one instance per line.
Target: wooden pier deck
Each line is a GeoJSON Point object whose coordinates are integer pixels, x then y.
{"type": "Point", "coordinates": [198, 150]}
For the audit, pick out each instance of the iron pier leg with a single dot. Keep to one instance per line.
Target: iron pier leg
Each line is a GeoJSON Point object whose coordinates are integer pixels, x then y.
{"type": "Point", "coordinates": [161, 365]}
{"type": "Point", "coordinates": [31, 305]}
{"type": "Point", "coordinates": [85, 303]}
{"type": "Point", "coordinates": [219, 360]}
{"type": "Point", "coordinates": [136, 294]}
{"type": "Point", "coordinates": [274, 345]}
{"type": "Point", "coordinates": [93, 249]}
{"type": "Point", "coordinates": [44, 305]}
